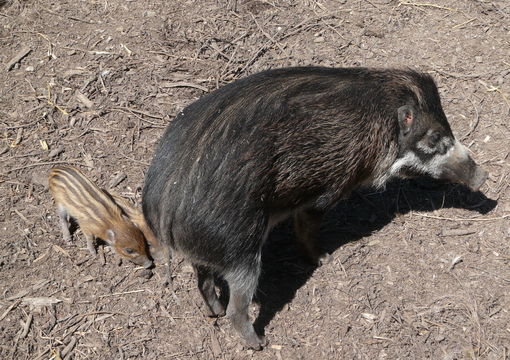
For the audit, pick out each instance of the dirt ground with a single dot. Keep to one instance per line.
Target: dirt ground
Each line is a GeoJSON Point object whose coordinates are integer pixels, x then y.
{"type": "Point", "coordinates": [420, 271]}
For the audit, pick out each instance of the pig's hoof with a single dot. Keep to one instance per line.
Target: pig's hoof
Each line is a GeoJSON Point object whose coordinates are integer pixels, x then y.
{"type": "Point", "coordinates": [319, 259]}
{"type": "Point", "coordinates": [217, 310]}
{"type": "Point", "coordinates": [255, 342]}
{"type": "Point", "coordinates": [324, 259]}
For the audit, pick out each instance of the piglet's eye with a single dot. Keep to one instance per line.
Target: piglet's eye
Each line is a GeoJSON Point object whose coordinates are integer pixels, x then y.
{"type": "Point", "coordinates": [129, 251]}
{"type": "Point", "coordinates": [434, 139]}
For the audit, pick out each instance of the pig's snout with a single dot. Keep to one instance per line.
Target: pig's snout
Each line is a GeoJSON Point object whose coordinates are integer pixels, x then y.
{"type": "Point", "coordinates": [478, 179]}
{"type": "Point", "coordinates": [142, 261]}
{"type": "Point", "coordinates": [461, 168]}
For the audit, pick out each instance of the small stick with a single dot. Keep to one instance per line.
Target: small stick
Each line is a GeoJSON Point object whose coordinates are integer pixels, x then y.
{"type": "Point", "coordinates": [425, 4]}
{"type": "Point", "coordinates": [20, 55]}
{"type": "Point", "coordinates": [69, 348]}
{"type": "Point", "coordinates": [84, 100]}
{"type": "Point", "coordinates": [493, 88]}
{"type": "Point", "coordinates": [120, 177]}
{"type": "Point", "coordinates": [477, 120]}
{"type": "Point", "coordinates": [26, 326]}
{"type": "Point", "coordinates": [489, 273]}
{"type": "Point", "coordinates": [123, 293]}
{"type": "Point", "coordinates": [185, 84]}
{"type": "Point", "coordinates": [40, 164]}
{"type": "Point", "coordinates": [19, 136]}
{"type": "Point", "coordinates": [24, 125]}
{"type": "Point", "coordinates": [458, 75]}
{"type": "Point", "coordinates": [268, 36]}
{"type": "Point", "coordinates": [132, 111]}
{"type": "Point", "coordinates": [464, 23]}
{"type": "Point", "coordinates": [461, 219]}
{"type": "Point", "coordinates": [13, 305]}
{"type": "Point", "coordinates": [456, 232]}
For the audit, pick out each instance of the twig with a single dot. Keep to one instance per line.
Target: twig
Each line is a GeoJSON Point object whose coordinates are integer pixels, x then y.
{"type": "Point", "coordinates": [462, 219]}
{"type": "Point", "coordinates": [184, 84]}
{"type": "Point", "coordinates": [134, 111]}
{"type": "Point", "coordinates": [23, 126]}
{"type": "Point", "coordinates": [495, 275]}
{"type": "Point", "coordinates": [457, 232]}
{"type": "Point", "coordinates": [20, 55]}
{"type": "Point", "coordinates": [477, 120]}
{"type": "Point", "coordinates": [19, 136]}
{"type": "Point", "coordinates": [464, 23]}
{"type": "Point", "coordinates": [83, 99]}
{"type": "Point", "coordinates": [268, 36]}
{"type": "Point", "coordinates": [426, 5]}
{"type": "Point", "coordinates": [8, 310]}
{"type": "Point", "coordinates": [123, 293]}
{"type": "Point", "coordinates": [132, 159]}
{"type": "Point", "coordinates": [50, 102]}
{"type": "Point", "coordinates": [26, 326]}
{"type": "Point", "coordinates": [457, 75]}
{"type": "Point", "coordinates": [493, 88]}
{"type": "Point", "coordinates": [141, 112]}
{"type": "Point", "coordinates": [40, 164]}
{"type": "Point", "coordinates": [69, 348]}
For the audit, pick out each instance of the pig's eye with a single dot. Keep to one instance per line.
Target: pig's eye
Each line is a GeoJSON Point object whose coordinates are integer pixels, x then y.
{"type": "Point", "coordinates": [434, 139]}
{"type": "Point", "coordinates": [129, 250]}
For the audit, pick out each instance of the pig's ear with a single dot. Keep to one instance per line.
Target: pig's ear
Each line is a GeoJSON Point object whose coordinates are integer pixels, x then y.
{"type": "Point", "coordinates": [406, 117]}
{"type": "Point", "coordinates": [111, 237]}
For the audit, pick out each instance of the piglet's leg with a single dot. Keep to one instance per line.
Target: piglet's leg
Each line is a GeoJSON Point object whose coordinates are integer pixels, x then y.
{"type": "Point", "coordinates": [90, 242]}
{"type": "Point", "coordinates": [63, 217]}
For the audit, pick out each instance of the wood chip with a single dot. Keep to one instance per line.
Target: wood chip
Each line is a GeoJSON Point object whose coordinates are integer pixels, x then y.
{"type": "Point", "coordinates": [41, 301]}
{"type": "Point", "coordinates": [26, 326]}
{"type": "Point", "coordinates": [66, 352]}
{"type": "Point", "coordinates": [56, 151]}
{"type": "Point", "coordinates": [83, 99]}
{"type": "Point", "coordinates": [120, 177]}
{"type": "Point", "coordinates": [455, 261]}
{"type": "Point", "coordinates": [456, 232]}
{"type": "Point", "coordinates": [19, 136]}
{"type": "Point", "coordinates": [20, 55]}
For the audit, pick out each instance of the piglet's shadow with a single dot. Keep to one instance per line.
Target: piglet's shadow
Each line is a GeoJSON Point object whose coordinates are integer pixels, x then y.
{"type": "Point", "coordinates": [284, 270]}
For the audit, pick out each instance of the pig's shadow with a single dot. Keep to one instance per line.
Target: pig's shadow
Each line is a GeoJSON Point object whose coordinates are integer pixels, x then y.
{"type": "Point", "coordinates": [284, 270]}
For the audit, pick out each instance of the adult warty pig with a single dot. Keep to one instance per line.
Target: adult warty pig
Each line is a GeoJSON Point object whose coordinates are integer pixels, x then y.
{"type": "Point", "coordinates": [289, 142]}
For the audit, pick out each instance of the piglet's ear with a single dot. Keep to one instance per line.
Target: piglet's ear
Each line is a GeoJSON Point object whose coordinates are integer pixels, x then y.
{"type": "Point", "coordinates": [111, 237]}
{"type": "Point", "coordinates": [406, 117]}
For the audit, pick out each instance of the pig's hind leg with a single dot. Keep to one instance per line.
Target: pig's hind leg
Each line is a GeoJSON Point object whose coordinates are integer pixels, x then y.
{"type": "Point", "coordinates": [242, 283]}
{"type": "Point", "coordinates": [307, 226]}
{"type": "Point", "coordinates": [206, 286]}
